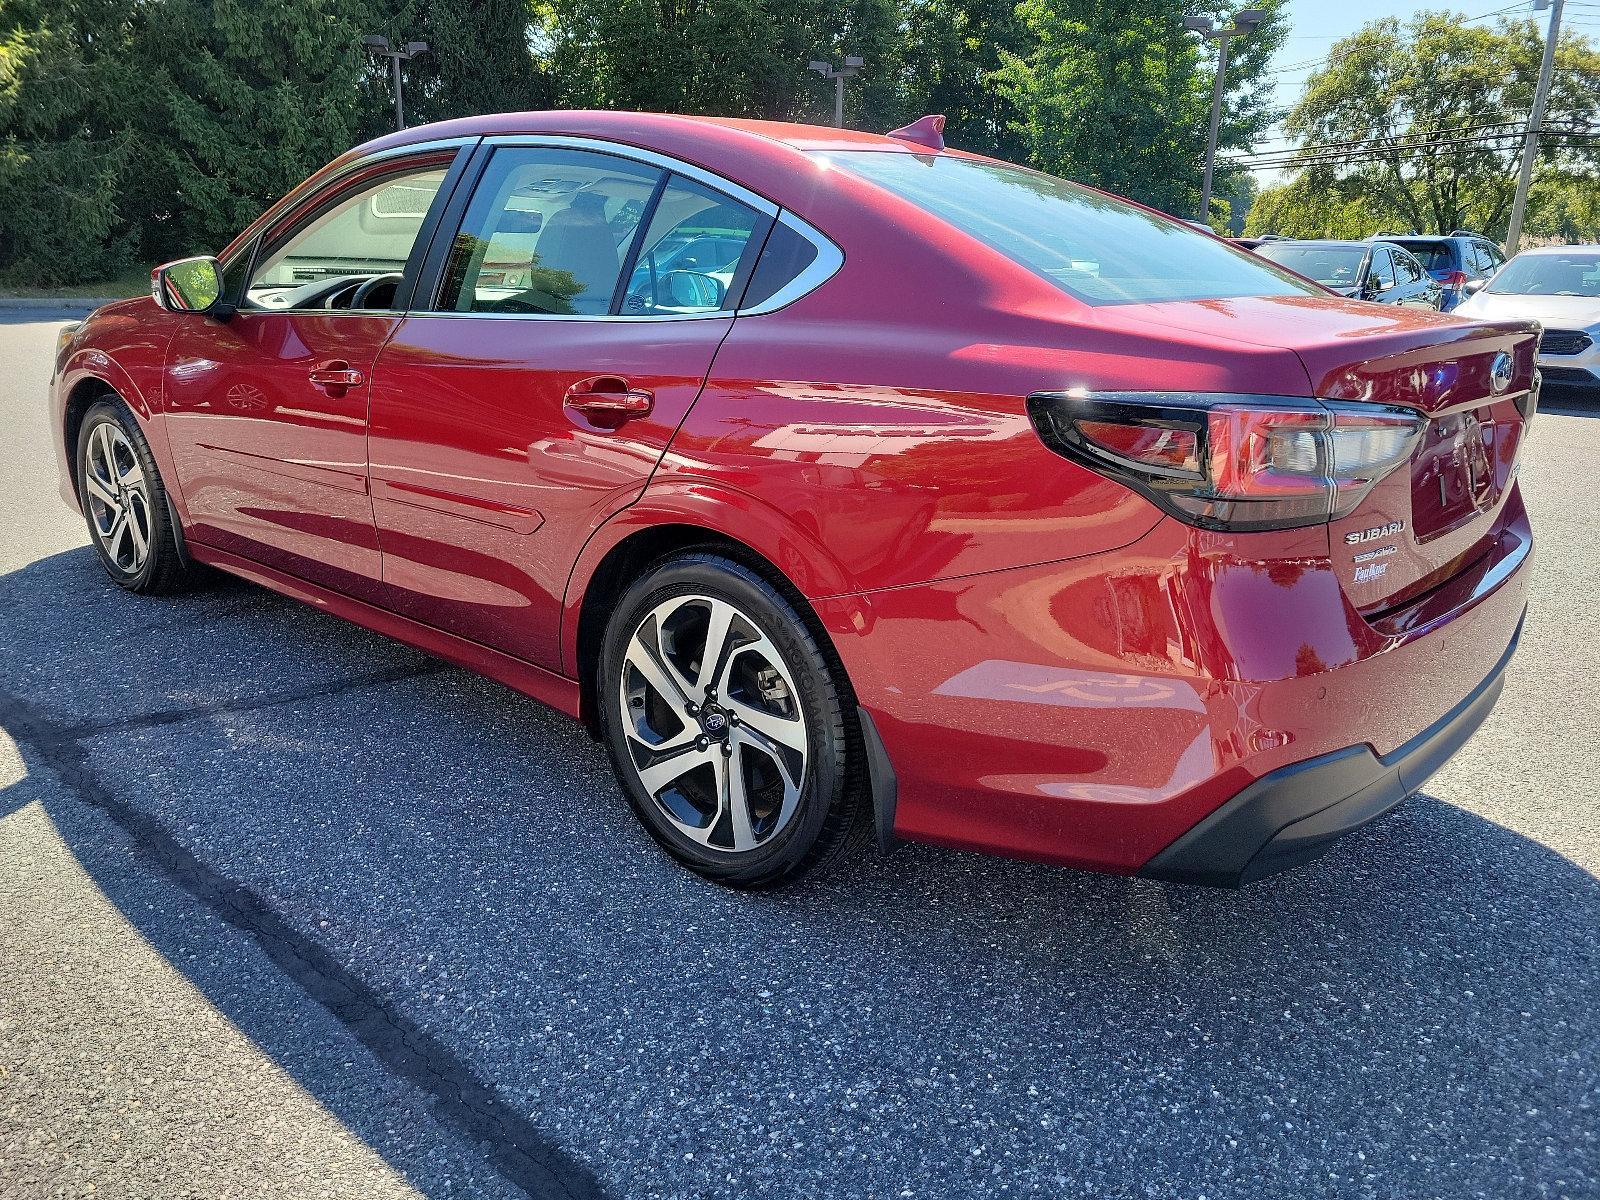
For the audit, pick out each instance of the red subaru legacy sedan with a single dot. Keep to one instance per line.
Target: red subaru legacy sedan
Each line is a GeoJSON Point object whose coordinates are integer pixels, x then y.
{"type": "Point", "coordinates": [841, 484]}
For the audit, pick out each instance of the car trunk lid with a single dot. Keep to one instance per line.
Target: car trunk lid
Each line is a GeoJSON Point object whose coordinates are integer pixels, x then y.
{"type": "Point", "coordinates": [1436, 515]}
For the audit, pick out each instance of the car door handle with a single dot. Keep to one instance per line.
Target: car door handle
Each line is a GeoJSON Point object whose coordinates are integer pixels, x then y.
{"type": "Point", "coordinates": [609, 398]}
{"type": "Point", "coordinates": [336, 376]}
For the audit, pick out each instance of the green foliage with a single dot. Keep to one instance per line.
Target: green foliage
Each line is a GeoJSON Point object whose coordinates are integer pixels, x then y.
{"type": "Point", "coordinates": [137, 130]}
{"type": "Point", "coordinates": [251, 96]}
{"type": "Point", "coordinates": [1119, 95]}
{"type": "Point", "coordinates": [1433, 79]}
{"type": "Point", "coordinates": [67, 146]}
{"type": "Point", "coordinates": [480, 60]}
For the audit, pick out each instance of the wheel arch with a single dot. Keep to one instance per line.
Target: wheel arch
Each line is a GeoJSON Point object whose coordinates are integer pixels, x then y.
{"type": "Point", "coordinates": [81, 397]}
{"type": "Point", "coordinates": [629, 555]}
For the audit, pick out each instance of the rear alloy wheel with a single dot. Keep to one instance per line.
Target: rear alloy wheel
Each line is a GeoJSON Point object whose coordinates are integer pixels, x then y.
{"type": "Point", "coordinates": [725, 723]}
{"type": "Point", "coordinates": [124, 503]}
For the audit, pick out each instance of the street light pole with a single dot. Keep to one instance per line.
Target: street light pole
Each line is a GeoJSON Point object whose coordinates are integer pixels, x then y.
{"type": "Point", "coordinates": [378, 46]}
{"type": "Point", "coordinates": [1530, 144]}
{"type": "Point", "coordinates": [852, 67]}
{"type": "Point", "coordinates": [1243, 23]}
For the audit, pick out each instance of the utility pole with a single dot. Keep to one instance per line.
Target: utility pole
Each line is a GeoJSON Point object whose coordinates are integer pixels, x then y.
{"type": "Point", "coordinates": [852, 67]}
{"type": "Point", "coordinates": [378, 46]}
{"type": "Point", "coordinates": [1244, 22]}
{"type": "Point", "coordinates": [1530, 144]}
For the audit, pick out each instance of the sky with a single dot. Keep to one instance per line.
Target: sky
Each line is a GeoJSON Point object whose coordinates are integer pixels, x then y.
{"type": "Point", "coordinates": [1315, 25]}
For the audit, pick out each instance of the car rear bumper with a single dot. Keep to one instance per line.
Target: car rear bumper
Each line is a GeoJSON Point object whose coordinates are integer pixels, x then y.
{"type": "Point", "coordinates": [1102, 712]}
{"type": "Point", "coordinates": [1296, 813]}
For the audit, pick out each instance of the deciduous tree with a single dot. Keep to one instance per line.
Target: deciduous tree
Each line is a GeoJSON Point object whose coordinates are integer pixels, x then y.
{"type": "Point", "coordinates": [1420, 119]}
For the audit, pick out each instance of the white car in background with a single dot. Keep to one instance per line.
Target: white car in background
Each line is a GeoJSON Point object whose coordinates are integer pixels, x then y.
{"type": "Point", "coordinates": [1558, 286]}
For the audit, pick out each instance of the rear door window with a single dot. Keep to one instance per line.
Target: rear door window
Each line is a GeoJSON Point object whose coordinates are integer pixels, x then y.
{"type": "Point", "coordinates": [691, 253]}
{"type": "Point", "coordinates": [547, 232]}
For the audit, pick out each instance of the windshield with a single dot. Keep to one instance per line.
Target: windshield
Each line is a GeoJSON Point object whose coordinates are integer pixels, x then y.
{"type": "Point", "coordinates": [1093, 247]}
{"type": "Point", "coordinates": [1331, 266]}
{"type": "Point", "coordinates": [1549, 275]}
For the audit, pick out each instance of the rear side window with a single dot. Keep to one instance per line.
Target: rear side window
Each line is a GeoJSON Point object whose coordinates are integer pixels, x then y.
{"type": "Point", "coordinates": [784, 257]}
{"type": "Point", "coordinates": [1095, 248]}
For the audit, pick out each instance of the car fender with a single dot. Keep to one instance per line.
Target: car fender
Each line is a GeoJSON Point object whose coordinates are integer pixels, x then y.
{"type": "Point", "coordinates": [132, 368]}
{"type": "Point", "coordinates": [719, 509]}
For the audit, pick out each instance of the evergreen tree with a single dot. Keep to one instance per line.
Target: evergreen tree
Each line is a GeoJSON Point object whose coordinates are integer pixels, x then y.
{"type": "Point", "coordinates": [71, 148]}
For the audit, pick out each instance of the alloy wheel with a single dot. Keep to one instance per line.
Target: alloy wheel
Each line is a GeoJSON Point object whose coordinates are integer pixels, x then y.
{"type": "Point", "coordinates": [118, 496]}
{"type": "Point", "coordinates": [713, 723]}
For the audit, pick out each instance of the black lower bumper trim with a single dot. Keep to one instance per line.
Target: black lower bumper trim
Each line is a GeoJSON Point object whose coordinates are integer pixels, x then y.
{"type": "Point", "coordinates": [1294, 814]}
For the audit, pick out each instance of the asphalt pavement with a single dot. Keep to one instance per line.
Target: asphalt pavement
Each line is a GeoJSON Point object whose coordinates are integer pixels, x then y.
{"type": "Point", "coordinates": [288, 909]}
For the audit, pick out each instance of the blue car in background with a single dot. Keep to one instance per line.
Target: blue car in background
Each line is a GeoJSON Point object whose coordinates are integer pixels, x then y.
{"type": "Point", "coordinates": [1453, 260]}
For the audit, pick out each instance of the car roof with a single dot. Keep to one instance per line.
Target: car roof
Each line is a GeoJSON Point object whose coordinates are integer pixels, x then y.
{"type": "Point", "coordinates": [643, 126]}
{"type": "Point", "coordinates": [1345, 243]}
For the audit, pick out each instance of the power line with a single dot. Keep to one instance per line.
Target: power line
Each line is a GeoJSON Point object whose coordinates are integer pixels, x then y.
{"type": "Point", "coordinates": [1399, 154]}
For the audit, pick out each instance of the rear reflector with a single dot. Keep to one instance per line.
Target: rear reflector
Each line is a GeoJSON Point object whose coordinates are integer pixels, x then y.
{"type": "Point", "coordinates": [1223, 461]}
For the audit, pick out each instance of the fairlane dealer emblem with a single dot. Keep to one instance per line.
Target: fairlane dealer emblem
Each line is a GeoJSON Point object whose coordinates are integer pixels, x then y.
{"type": "Point", "coordinates": [1373, 534]}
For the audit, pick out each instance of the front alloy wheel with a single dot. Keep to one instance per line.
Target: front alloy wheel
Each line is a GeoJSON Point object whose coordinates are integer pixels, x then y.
{"type": "Point", "coordinates": [725, 723]}
{"type": "Point", "coordinates": [124, 502]}
{"type": "Point", "coordinates": [118, 498]}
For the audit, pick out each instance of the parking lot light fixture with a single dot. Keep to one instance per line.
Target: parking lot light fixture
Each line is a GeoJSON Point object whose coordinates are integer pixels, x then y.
{"type": "Point", "coordinates": [1245, 21]}
{"type": "Point", "coordinates": [852, 67]}
{"type": "Point", "coordinates": [379, 47]}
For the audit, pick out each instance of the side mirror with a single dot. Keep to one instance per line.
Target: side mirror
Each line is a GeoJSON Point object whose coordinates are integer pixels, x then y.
{"type": "Point", "coordinates": [693, 289]}
{"type": "Point", "coordinates": [192, 285]}
{"type": "Point", "coordinates": [1473, 286]}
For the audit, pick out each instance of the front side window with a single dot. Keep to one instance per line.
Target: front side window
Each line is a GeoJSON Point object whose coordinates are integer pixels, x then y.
{"type": "Point", "coordinates": [691, 254]}
{"type": "Point", "coordinates": [547, 232]}
{"type": "Point", "coordinates": [351, 255]}
{"type": "Point", "coordinates": [1093, 247]}
{"type": "Point", "coordinates": [1382, 273]}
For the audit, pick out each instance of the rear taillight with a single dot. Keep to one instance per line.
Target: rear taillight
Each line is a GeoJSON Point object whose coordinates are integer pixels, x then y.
{"type": "Point", "coordinates": [1455, 279]}
{"type": "Point", "coordinates": [1229, 461]}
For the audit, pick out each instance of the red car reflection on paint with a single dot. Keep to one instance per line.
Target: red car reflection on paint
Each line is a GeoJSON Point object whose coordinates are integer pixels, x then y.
{"type": "Point", "coordinates": [840, 483]}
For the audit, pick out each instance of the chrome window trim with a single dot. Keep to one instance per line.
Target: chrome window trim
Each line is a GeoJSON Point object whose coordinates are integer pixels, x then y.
{"type": "Point", "coordinates": [821, 269]}
{"type": "Point", "coordinates": [561, 141]}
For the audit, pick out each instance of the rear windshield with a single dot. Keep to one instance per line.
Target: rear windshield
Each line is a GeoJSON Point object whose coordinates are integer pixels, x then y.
{"type": "Point", "coordinates": [1549, 275]}
{"type": "Point", "coordinates": [1095, 248]}
{"type": "Point", "coordinates": [1435, 256]}
{"type": "Point", "coordinates": [1331, 266]}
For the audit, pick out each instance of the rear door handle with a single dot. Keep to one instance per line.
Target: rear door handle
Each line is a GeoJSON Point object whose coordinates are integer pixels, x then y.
{"type": "Point", "coordinates": [608, 399]}
{"type": "Point", "coordinates": [336, 377]}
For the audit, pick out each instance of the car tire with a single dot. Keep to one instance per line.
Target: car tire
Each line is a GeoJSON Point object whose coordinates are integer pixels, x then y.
{"type": "Point", "coordinates": [125, 505]}
{"type": "Point", "coordinates": [744, 768]}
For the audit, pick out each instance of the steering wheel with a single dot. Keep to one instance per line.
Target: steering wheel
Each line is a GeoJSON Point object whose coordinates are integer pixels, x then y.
{"type": "Point", "coordinates": [365, 291]}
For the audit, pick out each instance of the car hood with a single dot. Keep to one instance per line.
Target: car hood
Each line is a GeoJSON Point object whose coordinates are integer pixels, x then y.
{"type": "Point", "coordinates": [1566, 312]}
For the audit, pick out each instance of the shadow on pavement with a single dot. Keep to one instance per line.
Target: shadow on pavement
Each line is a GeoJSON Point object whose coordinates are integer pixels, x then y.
{"type": "Point", "coordinates": [448, 870]}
